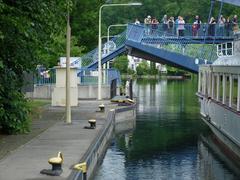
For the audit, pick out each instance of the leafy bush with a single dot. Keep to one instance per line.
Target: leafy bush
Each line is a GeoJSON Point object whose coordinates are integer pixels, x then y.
{"type": "Point", "coordinates": [121, 63]}
{"type": "Point", "coordinates": [29, 35]}
{"type": "Point", "coordinates": [143, 68]}
{"type": "Point", "coordinates": [130, 71]}
{"type": "Point", "coordinates": [14, 113]}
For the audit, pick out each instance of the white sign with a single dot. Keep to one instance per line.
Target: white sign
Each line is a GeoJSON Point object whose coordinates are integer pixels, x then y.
{"type": "Point", "coordinates": [74, 62]}
{"type": "Point", "coordinates": [94, 73]}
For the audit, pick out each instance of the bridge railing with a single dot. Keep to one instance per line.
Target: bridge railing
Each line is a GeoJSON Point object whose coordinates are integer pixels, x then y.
{"type": "Point", "coordinates": [187, 45]}
{"type": "Point", "coordinates": [89, 76]}
{"type": "Point", "coordinates": [86, 76]}
{"type": "Point", "coordinates": [115, 43]}
{"type": "Point", "coordinates": [190, 30]}
{"type": "Point", "coordinates": [45, 76]}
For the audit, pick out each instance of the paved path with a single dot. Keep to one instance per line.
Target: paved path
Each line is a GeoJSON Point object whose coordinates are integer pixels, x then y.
{"type": "Point", "coordinates": [27, 161]}
{"type": "Point", "coordinates": [39, 124]}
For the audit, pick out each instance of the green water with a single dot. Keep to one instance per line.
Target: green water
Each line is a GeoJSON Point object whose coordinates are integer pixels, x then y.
{"type": "Point", "coordinates": [165, 143]}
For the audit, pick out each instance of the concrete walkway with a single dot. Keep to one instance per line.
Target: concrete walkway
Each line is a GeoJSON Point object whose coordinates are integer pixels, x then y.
{"type": "Point", "coordinates": [73, 140]}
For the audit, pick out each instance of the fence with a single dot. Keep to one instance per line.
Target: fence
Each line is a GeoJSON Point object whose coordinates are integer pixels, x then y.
{"type": "Point", "coordinates": [188, 45]}
{"type": "Point", "coordinates": [90, 76]}
{"type": "Point", "coordinates": [45, 76]}
{"type": "Point", "coordinates": [86, 76]}
{"type": "Point", "coordinates": [208, 30]}
{"type": "Point", "coordinates": [115, 43]}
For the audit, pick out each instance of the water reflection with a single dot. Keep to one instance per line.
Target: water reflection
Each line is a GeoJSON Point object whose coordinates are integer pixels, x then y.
{"type": "Point", "coordinates": [214, 164]}
{"type": "Point", "coordinates": [165, 143]}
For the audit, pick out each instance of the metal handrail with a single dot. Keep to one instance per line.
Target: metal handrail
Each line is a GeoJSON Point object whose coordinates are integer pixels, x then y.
{"type": "Point", "coordinates": [168, 38]}
{"type": "Point", "coordinates": [92, 56]}
{"type": "Point", "coordinates": [89, 76]}
{"type": "Point", "coordinates": [160, 30]}
{"type": "Point", "coordinates": [183, 45]}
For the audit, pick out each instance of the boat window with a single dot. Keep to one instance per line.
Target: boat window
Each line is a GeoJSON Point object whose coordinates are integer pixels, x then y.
{"type": "Point", "coordinates": [225, 49]}
{"type": "Point", "coordinates": [229, 49]}
{"type": "Point", "coordinates": [229, 45]}
{"type": "Point", "coordinates": [219, 50]}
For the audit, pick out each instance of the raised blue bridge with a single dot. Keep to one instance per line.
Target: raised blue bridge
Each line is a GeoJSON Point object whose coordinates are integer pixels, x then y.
{"type": "Point", "coordinates": [165, 47]}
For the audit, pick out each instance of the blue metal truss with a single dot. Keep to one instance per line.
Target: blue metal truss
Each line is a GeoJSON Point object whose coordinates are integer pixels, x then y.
{"type": "Point", "coordinates": [163, 47]}
{"type": "Point", "coordinates": [110, 56]}
{"type": "Point", "coordinates": [163, 56]}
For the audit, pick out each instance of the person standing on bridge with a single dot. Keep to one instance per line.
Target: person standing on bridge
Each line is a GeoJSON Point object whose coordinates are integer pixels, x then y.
{"type": "Point", "coordinates": [147, 23]}
{"type": "Point", "coordinates": [235, 24]}
{"type": "Point", "coordinates": [165, 24]}
{"type": "Point", "coordinates": [154, 25]}
{"type": "Point", "coordinates": [198, 23]}
{"type": "Point", "coordinates": [228, 26]}
{"type": "Point", "coordinates": [181, 27]}
{"type": "Point", "coordinates": [195, 29]}
{"type": "Point", "coordinates": [211, 27]}
{"type": "Point", "coordinates": [176, 25]}
{"type": "Point", "coordinates": [171, 25]}
{"type": "Point", "coordinates": [137, 22]}
{"type": "Point", "coordinates": [221, 24]}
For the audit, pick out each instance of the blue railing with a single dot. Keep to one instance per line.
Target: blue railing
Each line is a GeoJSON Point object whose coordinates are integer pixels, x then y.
{"type": "Point", "coordinates": [86, 76]}
{"type": "Point", "coordinates": [92, 56]}
{"type": "Point", "coordinates": [204, 30]}
{"type": "Point", "coordinates": [187, 45]}
{"type": "Point", "coordinates": [45, 76]}
{"type": "Point", "coordinates": [90, 76]}
{"type": "Point", "coordinates": [169, 39]}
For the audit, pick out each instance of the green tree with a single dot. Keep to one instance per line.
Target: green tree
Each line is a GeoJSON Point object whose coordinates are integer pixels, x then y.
{"type": "Point", "coordinates": [28, 32]}
{"type": "Point", "coordinates": [58, 49]}
{"type": "Point", "coordinates": [84, 22]}
{"type": "Point", "coordinates": [143, 68]}
{"type": "Point", "coordinates": [153, 70]}
{"type": "Point", "coordinates": [175, 71]}
{"type": "Point", "coordinates": [121, 63]}
{"type": "Point", "coordinates": [130, 71]}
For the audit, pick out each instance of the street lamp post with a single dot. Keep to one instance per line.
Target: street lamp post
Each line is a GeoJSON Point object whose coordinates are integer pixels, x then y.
{"type": "Point", "coordinates": [100, 43]}
{"type": "Point", "coordinates": [67, 104]}
{"type": "Point", "coordinates": [108, 32]}
{"type": "Point", "coordinates": [108, 35]}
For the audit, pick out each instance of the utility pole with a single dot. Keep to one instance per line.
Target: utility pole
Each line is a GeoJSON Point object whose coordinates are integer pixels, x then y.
{"type": "Point", "coordinates": [68, 106]}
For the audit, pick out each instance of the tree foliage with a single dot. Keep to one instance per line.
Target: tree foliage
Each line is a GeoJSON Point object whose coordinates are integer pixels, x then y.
{"type": "Point", "coordinates": [143, 68]}
{"type": "Point", "coordinates": [153, 70]}
{"type": "Point", "coordinates": [85, 15]}
{"type": "Point", "coordinates": [121, 63]}
{"type": "Point", "coordinates": [28, 32]}
{"type": "Point", "coordinates": [84, 22]}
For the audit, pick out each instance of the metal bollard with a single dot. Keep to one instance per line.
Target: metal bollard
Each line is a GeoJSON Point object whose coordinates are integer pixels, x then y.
{"type": "Point", "coordinates": [92, 123]}
{"type": "Point", "coordinates": [56, 163]}
{"type": "Point", "coordinates": [101, 108]}
{"type": "Point", "coordinates": [83, 168]}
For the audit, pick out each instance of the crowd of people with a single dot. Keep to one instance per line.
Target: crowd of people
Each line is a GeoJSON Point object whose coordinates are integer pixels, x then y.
{"type": "Point", "coordinates": [223, 26]}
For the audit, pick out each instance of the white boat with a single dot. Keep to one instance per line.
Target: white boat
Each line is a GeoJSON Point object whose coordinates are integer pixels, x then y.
{"type": "Point", "coordinates": [219, 96]}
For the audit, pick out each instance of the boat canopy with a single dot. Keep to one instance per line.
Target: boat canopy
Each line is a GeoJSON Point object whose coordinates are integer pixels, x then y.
{"type": "Point", "coordinates": [234, 2]}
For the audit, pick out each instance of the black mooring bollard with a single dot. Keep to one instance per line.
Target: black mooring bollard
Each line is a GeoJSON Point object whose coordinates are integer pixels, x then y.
{"type": "Point", "coordinates": [56, 163]}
